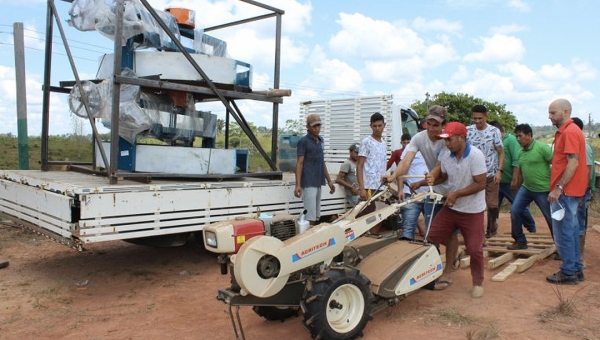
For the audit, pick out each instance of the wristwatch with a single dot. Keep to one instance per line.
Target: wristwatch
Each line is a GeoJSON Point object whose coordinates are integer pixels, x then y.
{"type": "Point", "coordinates": [560, 187]}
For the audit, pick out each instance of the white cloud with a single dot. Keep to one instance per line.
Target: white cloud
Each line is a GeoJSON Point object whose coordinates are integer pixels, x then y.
{"type": "Point", "coordinates": [484, 81]}
{"type": "Point", "coordinates": [556, 72]}
{"type": "Point", "coordinates": [59, 116]}
{"type": "Point", "coordinates": [31, 37]}
{"type": "Point", "coordinates": [396, 53]}
{"type": "Point", "coordinates": [507, 29]}
{"type": "Point", "coordinates": [422, 24]}
{"type": "Point", "coordinates": [519, 5]}
{"type": "Point", "coordinates": [498, 48]}
{"type": "Point", "coordinates": [357, 39]}
{"type": "Point", "coordinates": [335, 74]}
{"type": "Point", "coordinates": [460, 75]}
{"type": "Point", "coordinates": [440, 53]}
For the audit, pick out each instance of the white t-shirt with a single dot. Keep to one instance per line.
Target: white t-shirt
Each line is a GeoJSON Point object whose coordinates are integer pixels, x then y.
{"type": "Point", "coordinates": [431, 152]}
{"type": "Point", "coordinates": [460, 175]}
{"type": "Point", "coordinates": [417, 167]}
{"type": "Point", "coordinates": [376, 160]}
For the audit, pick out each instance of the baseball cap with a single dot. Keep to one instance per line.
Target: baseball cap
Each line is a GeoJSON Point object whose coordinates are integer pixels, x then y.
{"type": "Point", "coordinates": [313, 119]}
{"type": "Point", "coordinates": [436, 112]}
{"type": "Point", "coordinates": [354, 147]}
{"type": "Point", "coordinates": [453, 129]}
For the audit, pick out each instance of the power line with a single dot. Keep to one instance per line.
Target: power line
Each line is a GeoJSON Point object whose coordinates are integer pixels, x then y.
{"type": "Point", "coordinates": [53, 52]}
{"type": "Point", "coordinates": [104, 50]}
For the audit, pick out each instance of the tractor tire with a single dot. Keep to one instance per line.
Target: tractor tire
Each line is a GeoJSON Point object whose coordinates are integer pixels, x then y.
{"type": "Point", "coordinates": [338, 304]}
{"type": "Point", "coordinates": [276, 313]}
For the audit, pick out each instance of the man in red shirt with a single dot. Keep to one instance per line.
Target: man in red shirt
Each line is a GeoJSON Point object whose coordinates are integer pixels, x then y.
{"type": "Point", "coordinates": [568, 183]}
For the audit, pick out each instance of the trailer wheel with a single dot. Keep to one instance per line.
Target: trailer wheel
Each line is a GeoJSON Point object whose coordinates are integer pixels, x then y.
{"type": "Point", "coordinates": [276, 313]}
{"type": "Point", "coordinates": [338, 305]}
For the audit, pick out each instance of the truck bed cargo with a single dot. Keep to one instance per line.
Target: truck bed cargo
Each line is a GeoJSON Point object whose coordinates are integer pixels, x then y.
{"type": "Point", "coordinates": [75, 208]}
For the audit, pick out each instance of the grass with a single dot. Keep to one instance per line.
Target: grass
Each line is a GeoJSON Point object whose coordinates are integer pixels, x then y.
{"type": "Point", "coordinates": [60, 148]}
{"type": "Point", "coordinates": [565, 308]}
{"type": "Point", "coordinates": [79, 149]}
{"type": "Point", "coordinates": [486, 333]}
{"type": "Point", "coordinates": [479, 330]}
{"type": "Point", "coordinates": [44, 298]}
{"type": "Point", "coordinates": [453, 315]}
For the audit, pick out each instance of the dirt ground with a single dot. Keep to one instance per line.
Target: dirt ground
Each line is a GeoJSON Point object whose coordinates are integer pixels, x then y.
{"type": "Point", "coordinates": [118, 290]}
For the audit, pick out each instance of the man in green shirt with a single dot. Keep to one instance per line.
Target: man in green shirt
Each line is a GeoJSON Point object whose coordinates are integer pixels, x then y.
{"type": "Point", "coordinates": [508, 181]}
{"type": "Point", "coordinates": [534, 174]}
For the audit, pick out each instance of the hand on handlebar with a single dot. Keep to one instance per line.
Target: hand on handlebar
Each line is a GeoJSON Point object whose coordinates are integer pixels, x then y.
{"type": "Point", "coordinates": [386, 179]}
{"type": "Point", "coordinates": [429, 178]}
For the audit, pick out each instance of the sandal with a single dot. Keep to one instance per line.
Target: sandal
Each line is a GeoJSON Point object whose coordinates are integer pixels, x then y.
{"type": "Point", "coordinates": [457, 260]}
{"type": "Point", "coordinates": [442, 284]}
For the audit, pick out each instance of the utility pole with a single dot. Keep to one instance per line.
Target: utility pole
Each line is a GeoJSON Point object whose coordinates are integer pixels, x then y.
{"type": "Point", "coordinates": [21, 96]}
{"type": "Point", "coordinates": [427, 101]}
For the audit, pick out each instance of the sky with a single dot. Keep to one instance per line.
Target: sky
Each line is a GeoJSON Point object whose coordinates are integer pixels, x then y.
{"type": "Point", "coordinates": [521, 53]}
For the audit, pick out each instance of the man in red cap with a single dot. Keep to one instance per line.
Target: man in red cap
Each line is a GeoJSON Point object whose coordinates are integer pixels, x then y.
{"type": "Point", "coordinates": [430, 147]}
{"type": "Point", "coordinates": [463, 168]}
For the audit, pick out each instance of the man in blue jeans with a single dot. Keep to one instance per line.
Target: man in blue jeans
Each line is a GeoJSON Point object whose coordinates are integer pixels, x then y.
{"type": "Point", "coordinates": [410, 213]}
{"type": "Point", "coordinates": [582, 213]}
{"type": "Point", "coordinates": [568, 183]}
{"type": "Point", "coordinates": [533, 175]}
{"type": "Point", "coordinates": [509, 182]}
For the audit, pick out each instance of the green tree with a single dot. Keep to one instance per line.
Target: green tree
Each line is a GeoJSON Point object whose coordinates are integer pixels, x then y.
{"type": "Point", "coordinates": [459, 109]}
{"type": "Point", "coordinates": [220, 125]}
{"type": "Point", "coordinates": [294, 127]}
{"type": "Point", "coordinates": [238, 138]}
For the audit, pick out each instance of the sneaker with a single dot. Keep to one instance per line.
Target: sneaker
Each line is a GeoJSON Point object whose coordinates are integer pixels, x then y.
{"type": "Point", "coordinates": [477, 292]}
{"type": "Point", "coordinates": [560, 278]}
{"type": "Point", "coordinates": [517, 246]}
{"type": "Point", "coordinates": [580, 276]}
{"type": "Point", "coordinates": [488, 234]}
{"type": "Point", "coordinates": [531, 230]}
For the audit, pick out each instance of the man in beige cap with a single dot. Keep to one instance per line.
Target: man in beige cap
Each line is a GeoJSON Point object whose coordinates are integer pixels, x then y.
{"type": "Point", "coordinates": [311, 172]}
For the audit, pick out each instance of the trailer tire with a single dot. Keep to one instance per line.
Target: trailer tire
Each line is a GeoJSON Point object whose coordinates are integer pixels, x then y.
{"type": "Point", "coordinates": [276, 313]}
{"type": "Point", "coordinates": [337, 305]}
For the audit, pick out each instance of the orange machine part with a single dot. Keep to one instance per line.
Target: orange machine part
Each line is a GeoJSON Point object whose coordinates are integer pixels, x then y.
{"type": "Point", "coordinates": [179, 98]}
{"type": "Point", "coordinates": [185, 17]}
{"type": "Point", "coordinates": [245, 229]}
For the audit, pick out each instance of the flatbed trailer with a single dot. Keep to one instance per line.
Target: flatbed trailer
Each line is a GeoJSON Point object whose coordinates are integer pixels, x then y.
{"type": "Point", "coordinates": [76, 208]}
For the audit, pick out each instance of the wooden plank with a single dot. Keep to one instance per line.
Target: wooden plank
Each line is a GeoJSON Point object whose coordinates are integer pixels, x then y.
{"type": "Point", "coordinates": [543, 241]}
{"type": "Point", "coordinates": [546, 252]}
{"type": "Point", "coordinates": [520, 251]}
{"type": "Point", "coordinates": [500, 260]}
{"type": "Point", "coordinates": [505, 273]}
{"type": "Point", "coordinates": [524, 264]}
{"type": "Point", "coordinates": [534, 236]}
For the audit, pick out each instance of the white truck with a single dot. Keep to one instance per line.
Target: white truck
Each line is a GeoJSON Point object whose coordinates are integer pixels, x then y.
{"type": "Point", "coordinates": [161, 194]}
{"type": "Point", "coordinates": [77, 208]}
{"type": "Point", "coordinates": [348, 120]}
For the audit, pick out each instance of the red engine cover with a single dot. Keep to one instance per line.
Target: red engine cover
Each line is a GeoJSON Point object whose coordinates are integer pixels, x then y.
{"type": "Point", "coordinates": [245, 229]}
